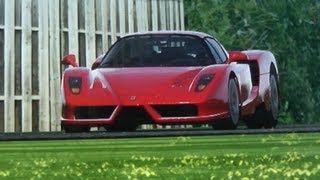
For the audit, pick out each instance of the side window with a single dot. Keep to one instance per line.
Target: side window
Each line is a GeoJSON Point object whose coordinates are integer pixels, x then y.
{"type": "Point", "coordinates": [214, 53]}
{"type": "Point", "coordinates": [215, 47]}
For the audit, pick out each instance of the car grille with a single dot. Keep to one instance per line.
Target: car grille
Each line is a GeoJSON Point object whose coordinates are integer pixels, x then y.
{"type": "Point", "coordinates": [184, 110]}
{"type": "Point", "coordinates": [97, 112]}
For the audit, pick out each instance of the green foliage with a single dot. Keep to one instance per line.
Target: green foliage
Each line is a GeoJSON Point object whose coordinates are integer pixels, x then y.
{"type": "Point", "coordinates": [288, 28]}
{"type": "Point", "coordinates": [281, 156]}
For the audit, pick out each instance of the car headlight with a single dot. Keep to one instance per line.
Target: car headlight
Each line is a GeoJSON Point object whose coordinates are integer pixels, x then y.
{"type": "Point", "coordinates": [203, 82]}
{"type": "Point", "coordinates": [75, 84]}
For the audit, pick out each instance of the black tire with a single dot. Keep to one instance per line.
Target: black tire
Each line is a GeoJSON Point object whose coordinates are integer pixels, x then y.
{"type": "Point", "coordinates": [234, 108]}
{"type": "Point", "coordinates": [263, 117]}
{"type": "Point", "coordinates": [75, 129]}
{"type": "Point", "coordinates": [271, 116]}
{"type": "Point", "coordinates": [255, 121]}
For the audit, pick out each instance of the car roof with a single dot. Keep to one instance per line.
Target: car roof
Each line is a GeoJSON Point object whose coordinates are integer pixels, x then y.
{"type": "Point", "coordinates": [177, 32]}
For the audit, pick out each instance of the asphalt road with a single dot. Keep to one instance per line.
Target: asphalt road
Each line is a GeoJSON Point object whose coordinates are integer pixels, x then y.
{"type": "Point", "coordinates": [153, 133]}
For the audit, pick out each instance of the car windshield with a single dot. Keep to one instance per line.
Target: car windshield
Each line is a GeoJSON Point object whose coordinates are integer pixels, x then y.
{"type": "Point", "coordinates": [157, 50]}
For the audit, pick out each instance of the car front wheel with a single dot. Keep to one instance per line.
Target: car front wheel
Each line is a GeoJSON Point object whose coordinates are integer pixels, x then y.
{"type": "Point", "coordinates": [234, 108]}
{"type": "Point", "coordinates": [264, 117]}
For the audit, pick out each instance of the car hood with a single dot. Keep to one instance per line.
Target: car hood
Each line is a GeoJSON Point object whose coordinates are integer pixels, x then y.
{"type": "Point", "coordinates": [146, 81]}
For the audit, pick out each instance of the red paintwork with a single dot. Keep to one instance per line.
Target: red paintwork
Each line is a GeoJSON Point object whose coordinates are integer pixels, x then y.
{"type": "Point", "coordinates": [69, 59]}
{"type": "Point", "coordinates": [124, 87]}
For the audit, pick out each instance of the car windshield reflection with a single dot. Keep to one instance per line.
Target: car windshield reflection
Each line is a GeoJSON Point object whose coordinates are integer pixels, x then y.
{"type": "Point", "coordinates": [157, 51]}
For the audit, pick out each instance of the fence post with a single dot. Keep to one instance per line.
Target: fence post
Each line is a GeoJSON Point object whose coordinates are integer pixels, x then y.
{"type": "Point", "coordinates": [163, 18]}
{"type": "Point", "coordinates": [44, 109]}
{"type": "Point", "coordinates": [113, 20]}
{"type": "Point", "coordinates": [122, 17]}
{"type": "Point", "coordinates": [73, 34]}
{"type": "Point", "coordinates": [131, 15]}
{"type": "Point", "coordinates": [177, 22]}
{"type": "Point", "coordinates": [26, 66]}
{"type": "Point", "coordinates": [90, 32]}
{"type": "Point", "coordinates": [54, 44]}
{"type": "Point", "coordinates": [154, 14]}
{"type": "Point", "coordinates": [139, 13]}
{"type": "Point", "coordinates": [182, 15]}
{"type": "Point", "coordinates": [171, 20]}
{"type": "Point", "coordinates": [9, 68]}
{"type": "Point", "coordinates": [104, 13]}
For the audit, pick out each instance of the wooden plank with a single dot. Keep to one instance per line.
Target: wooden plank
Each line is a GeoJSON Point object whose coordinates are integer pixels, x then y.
{"type": "Point", "coordinates": [171, 20]}
{"type": "Point", "coordinates": [98, 15]}
{"type": "Point", "coordinates": [35, 76]}
{"type": "Point", "coordinates": [113, 20]}
{"type": "Point", "coordinates": [122, 17]}
{"type": "Point", "coordinates": [9, 66]}
{"type": "Point", "coordinates": [90, 32]}
{"type": "Point", "coordinates": [54, 59]}
{"type": "Point", "coordinates": [44, 111]}
{"type": "Point", "coordinates": [17, 64]}
{"type": "Point", "coordinates": [64, 23]}
{"type": "Point", "coordinates": [182, 15]}
{"type": "Point", "coordinates": [99, 40]}
{"type": "Point", "coordinates": [19, 97]}
{"type": "Point", "coordinates": [81, 14]}
{"type": "Point", "coordinates": [176, 11]}
{"type": "Point", "coordinates": [139, 15]}
{"type": "Point", "coordinates": [63, 10]}
{"type": "Point", "coordinates": [2, 67]}
{"type": "Point", "coordinates": [131, 16]}
{"type": "Point", "coordinates": [17, 13]}
{"type": "Point", "coordinates": [2, 114]}
{"type": "Point", "coordinates": [142, 15]}
{"type": "Point", "coordinates": [2, 9]}
{"type": "Point", "coordinates": [154, 15]}
{"type": "Point", "coordinates": [18, 115]}
{"type": "Point", "coordinates": [105, 17]}
{"type": "Point", "coordinates": [163, 21]}
{"type": "Point", "coordinates": [34, 13]}
{"type": "Point", "coordinates": [73, 37]}
{"type": "Point", "coordinates": [26, 66]}
{"type": "Point", "coordinates": [145, 15]}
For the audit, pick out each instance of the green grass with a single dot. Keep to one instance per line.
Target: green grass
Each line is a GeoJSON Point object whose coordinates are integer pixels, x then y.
{"type": "Point", "coordinates": [286, 156]}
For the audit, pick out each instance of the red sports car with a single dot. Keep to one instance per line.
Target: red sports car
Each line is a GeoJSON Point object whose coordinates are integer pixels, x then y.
{"type": "Point", "coordinates": [171, 77]}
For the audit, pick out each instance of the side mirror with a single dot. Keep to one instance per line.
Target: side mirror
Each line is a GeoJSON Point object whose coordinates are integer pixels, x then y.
{"type": "Point", "coordinates": [69, 59]}
{"type": "Point", "coordinates": [97, 62]}
{"type": "Point", "coordinates": [237, 56]}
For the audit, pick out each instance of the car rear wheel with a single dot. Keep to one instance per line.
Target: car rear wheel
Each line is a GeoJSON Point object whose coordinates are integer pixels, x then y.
{"type": "Point", "coordinates": [271, 115]}
{"type": "Point", "coordinates": [234, 108]}
{"type": "Point", "coordinates": [255, 121]}
{"type": "Point", "coordinates": [263, 117]}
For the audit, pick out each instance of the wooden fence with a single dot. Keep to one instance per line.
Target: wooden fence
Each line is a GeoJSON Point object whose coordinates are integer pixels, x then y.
{"type": "Point", "coordinates": [35, 34]}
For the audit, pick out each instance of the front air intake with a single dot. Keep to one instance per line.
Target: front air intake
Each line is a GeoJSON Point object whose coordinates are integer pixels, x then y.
{"type": "Point", "coordinates": [95, 112]}
{"type": "Point", "coordinates": [184, 110]}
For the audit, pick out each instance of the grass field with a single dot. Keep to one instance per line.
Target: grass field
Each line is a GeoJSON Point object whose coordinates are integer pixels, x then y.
{"type": "Point", "coordinates": [285, 156]}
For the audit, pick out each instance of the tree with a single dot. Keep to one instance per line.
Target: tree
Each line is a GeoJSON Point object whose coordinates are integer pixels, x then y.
{"type": "Point", "coordinates": [290, 29]}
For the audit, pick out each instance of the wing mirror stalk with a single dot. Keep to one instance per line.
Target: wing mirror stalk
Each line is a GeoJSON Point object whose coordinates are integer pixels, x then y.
{"type": "Point", "coordinates": [70, 60]}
